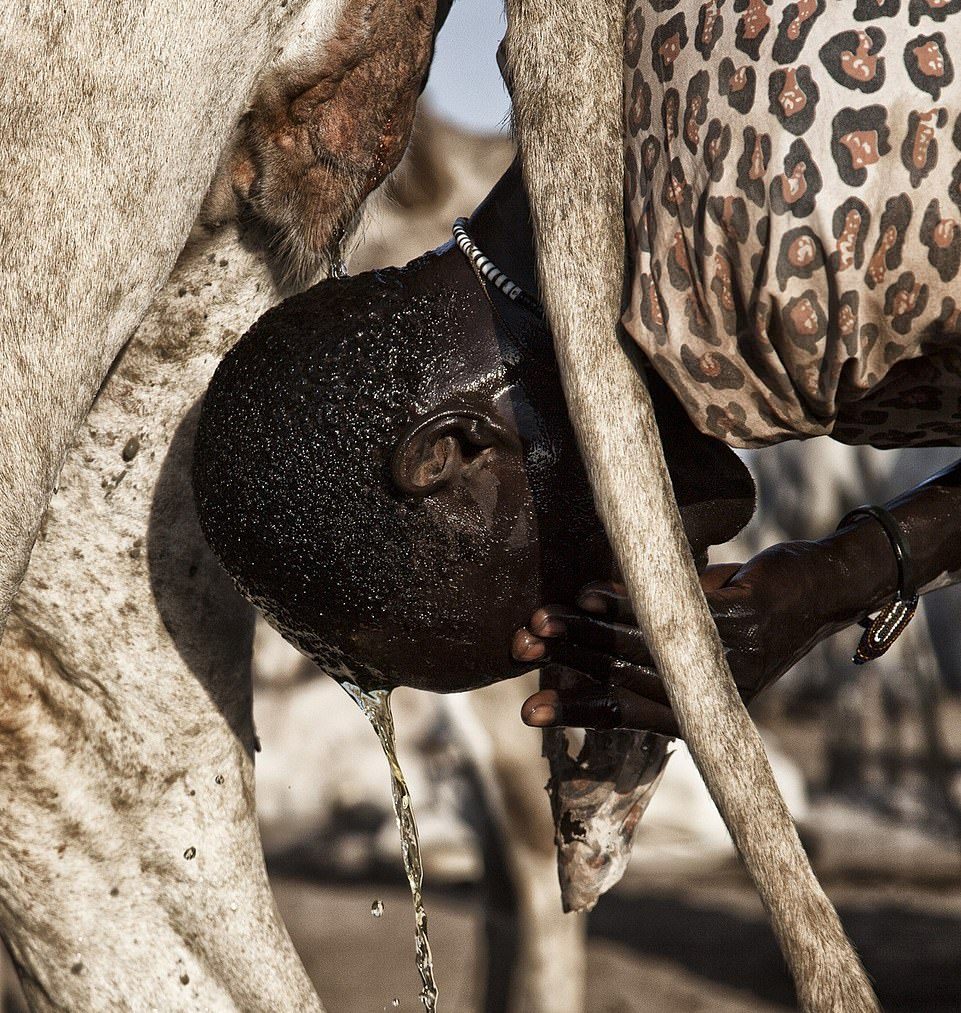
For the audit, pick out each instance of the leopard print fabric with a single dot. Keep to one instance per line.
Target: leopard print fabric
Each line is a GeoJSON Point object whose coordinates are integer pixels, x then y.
{"type": "Point", "coordinates": [793, 205]}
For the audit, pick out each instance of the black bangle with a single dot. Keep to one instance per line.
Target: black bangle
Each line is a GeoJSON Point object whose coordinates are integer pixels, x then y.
{"type": "Point", "coordinates": [907, 586]}
{"type": "Point", "coordinates": [881, 632]}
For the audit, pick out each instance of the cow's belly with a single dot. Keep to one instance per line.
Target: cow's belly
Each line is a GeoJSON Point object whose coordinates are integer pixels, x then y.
{"type": "Point", "coordinates": [794, 214]}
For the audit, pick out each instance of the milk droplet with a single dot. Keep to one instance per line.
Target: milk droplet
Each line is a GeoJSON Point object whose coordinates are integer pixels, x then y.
{"type": "Point", "coordinates": [395, 1003]}
{"type": "Point", "coordinates": [377, 908]}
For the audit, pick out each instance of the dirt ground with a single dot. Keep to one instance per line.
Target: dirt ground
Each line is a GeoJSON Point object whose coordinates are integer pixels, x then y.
{"type": "Point", "coordinates": [333, 928]}
{"type": "Point", "coordinates": [662, 942]}
{"type": "Point", "coordinates": [664, 947]}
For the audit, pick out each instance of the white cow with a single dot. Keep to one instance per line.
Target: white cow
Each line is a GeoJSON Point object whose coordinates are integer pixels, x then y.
{"type": "Point", "coordinates": [113, 120]}
{"type": "Point", "coordinates": [131, 872]}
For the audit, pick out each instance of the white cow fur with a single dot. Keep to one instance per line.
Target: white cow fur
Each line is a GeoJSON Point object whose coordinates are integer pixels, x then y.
{"type": "Point", "coordinates": [131, 871]}
{"type": "Point", "coordinates": [95, 216]}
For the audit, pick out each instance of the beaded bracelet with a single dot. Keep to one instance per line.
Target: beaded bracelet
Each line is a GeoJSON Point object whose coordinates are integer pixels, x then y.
{"type": "Point", "coordinates": [881, 631]}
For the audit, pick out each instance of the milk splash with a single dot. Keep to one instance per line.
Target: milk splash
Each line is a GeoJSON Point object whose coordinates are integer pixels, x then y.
{"type": "Point", "coordinates": [376, 707]}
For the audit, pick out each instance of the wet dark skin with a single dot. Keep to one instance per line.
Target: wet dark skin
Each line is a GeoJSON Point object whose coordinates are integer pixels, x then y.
{"type": "Point", "coordinates": [770, 611]}
{"type": "Point", "coordinates": [385, 466]}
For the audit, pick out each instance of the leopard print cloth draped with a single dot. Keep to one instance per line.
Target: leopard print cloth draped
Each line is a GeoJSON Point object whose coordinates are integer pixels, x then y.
{"type": "Point", "coordinates": [793, 204]}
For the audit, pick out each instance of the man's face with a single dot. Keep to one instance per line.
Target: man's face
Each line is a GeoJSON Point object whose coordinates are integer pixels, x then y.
{"type": "Point", "coordinates": [508, 517]}
{"type": "Point", "coordinates": [510, 523]}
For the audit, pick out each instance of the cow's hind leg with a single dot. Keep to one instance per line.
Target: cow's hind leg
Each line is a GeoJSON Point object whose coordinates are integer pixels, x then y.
{"type": "Point", "coordinates": [131, 872]}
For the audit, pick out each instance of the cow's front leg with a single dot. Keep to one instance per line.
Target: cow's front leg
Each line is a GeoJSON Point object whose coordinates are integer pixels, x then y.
{"type": "Point", "coordinates": [131, 872]}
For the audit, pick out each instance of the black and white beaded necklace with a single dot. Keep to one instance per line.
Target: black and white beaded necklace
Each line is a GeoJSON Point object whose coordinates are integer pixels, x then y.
{"type": "Point", "coordinates": [490, 272]}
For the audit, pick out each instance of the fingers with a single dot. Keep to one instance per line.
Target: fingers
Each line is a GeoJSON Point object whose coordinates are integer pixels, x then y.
{"type": "Point", "coordinates": [715, 577]}
{"type": "Point", "coordinates": [604, 651]}
{"type": "Point", "coordinates": [609, 598]}
{"type": "Point", "coordinates": [609, 671]}
{"type": "Point", "coordinates": [601, 640]}
{"type": "Point", "coordinates": [527, 648]}
{"type": "Point", "coordinates": [551, 627]}
{"type": "Point", "coordinates": [615, 708]}
{"type": "Point", "coordinates": [591, 634]}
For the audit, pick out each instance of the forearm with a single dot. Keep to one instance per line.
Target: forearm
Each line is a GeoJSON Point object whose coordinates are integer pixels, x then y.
{"type": "Point", "coordinates": [930, 517]}
{"type": "Point", "coordinates": [860, 562]}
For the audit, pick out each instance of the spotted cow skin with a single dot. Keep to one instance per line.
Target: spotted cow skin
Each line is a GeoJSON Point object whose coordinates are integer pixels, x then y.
{"type": "Point", "coordinates": [793, 203]}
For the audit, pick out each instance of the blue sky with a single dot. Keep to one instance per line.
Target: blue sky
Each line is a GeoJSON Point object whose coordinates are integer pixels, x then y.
{"type": "Point", "coordinates": [465, 85]}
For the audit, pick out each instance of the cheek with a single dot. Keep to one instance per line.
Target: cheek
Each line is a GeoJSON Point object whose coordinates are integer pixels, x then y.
{"type": "Point", "coordinates": [573, 546]}
{"type": "Point", "coordinates": [494, 507]}
{"type": "Point", "coordinates": [488, 581]}
{"type": "Point", "coordinates": [555, 475]}
{"type": "Point", "coordinates": [485, 546]}
{"type": "Point", "coordinates": [488, 501]}
{"type": "Point", "coordinates": [559, 487]}
{"type": "Point", "coordinates": [451, 628]}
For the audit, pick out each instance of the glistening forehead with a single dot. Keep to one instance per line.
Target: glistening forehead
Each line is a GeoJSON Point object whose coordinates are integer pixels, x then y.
{"type": "Point", "coordinates": [396, 331]}
{"type": "Point", "coordinates": [299, 424]}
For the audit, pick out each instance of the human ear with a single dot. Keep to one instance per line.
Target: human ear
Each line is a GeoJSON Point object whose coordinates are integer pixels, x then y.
{"type": "Point", "coordinates": [445, 448]}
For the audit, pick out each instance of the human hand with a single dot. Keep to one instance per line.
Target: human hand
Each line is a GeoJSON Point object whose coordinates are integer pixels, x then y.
{"type": "Point", "coordinates": [769, 612]}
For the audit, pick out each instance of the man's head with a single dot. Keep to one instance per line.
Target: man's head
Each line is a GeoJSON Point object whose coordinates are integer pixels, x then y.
{"type": "Point", "coordinates": [385, 466]}
{"type": "Point", "coordinates": [374, 465]}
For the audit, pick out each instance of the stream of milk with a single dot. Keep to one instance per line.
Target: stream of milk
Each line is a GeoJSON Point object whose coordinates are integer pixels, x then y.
{"type": "Point", "coordinates": [376, 706]}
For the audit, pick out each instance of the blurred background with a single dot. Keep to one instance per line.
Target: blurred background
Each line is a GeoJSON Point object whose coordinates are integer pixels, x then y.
{"type": "Point", "coordinates": [868, 758]}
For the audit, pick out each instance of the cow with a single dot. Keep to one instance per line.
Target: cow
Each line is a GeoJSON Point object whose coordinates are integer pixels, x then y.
{"type": "Point", "coordinates": [123, 753]}
{"type": "Point", "coordinates": [130, 864]}
{"type": "Point", "coordinates": [120, 230]}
